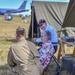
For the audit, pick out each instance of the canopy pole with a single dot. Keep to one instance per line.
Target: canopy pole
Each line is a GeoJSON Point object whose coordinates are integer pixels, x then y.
{"type": "Point", "coordinates": [32, 7]}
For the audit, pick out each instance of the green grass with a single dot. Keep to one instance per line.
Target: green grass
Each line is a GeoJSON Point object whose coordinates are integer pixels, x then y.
{"type": "Point", "coordinates": [7, 34]}
{"type": "Point", "coordinates": [7, 37]}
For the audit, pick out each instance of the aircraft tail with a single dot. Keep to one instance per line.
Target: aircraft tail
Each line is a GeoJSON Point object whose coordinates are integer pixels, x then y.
{"type": "Point", "coordinates": [23, 5]}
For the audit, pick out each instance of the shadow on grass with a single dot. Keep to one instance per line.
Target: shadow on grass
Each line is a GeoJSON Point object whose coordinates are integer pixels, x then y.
{"type": "Point", "coordinates": [5, 70]}
{"type": "Point", "coordinates": [14, 40]}
{"type": "Point", "coordinates": [11, 40]}
{"type": "Point", "coordinates": [4, 67]}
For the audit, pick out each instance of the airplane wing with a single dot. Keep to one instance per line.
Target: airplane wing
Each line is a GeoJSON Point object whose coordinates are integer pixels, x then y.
{"type": "Point", "coordinates": [17, 11]}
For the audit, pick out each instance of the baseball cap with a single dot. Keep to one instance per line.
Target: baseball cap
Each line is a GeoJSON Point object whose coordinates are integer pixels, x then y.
{"type": "Point", "coordinates": [41, 21]}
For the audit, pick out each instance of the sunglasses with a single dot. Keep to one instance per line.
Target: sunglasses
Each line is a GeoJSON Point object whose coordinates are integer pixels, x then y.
{"type": "Point", "coordinates": [41, 24]}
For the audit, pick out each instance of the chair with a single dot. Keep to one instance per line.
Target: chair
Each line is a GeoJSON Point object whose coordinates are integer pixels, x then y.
{"type": "Point", "coordinates": [55, 59]}
{"type": "Point", "coordinates": [57, 68]}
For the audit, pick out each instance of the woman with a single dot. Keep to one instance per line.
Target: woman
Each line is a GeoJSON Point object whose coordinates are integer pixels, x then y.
{"type": "Point", "coordinates": [47, 50]}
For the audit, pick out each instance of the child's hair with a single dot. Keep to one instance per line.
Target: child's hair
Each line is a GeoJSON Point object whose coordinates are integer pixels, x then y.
{"type": "Point", "coordinates": [20, 31]}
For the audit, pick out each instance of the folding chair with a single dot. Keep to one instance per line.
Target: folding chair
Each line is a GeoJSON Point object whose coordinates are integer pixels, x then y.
{"type": "Point", "coordinates": [57, 68]}
{"type": "Point", "coordinates": [57, 64]}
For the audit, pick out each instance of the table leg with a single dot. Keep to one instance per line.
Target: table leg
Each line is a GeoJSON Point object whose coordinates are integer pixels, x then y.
{"type": "Point", "coordinates": [63, 48]}
{"type": "Point", "coordinates": [74, 52]}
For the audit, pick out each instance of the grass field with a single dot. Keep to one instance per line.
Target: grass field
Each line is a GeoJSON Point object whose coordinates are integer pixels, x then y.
{"type": "Point", "coordinates": [7, 37]}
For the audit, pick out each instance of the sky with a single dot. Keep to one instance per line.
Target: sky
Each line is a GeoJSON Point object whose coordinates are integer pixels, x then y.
{"type": "Point", "coordinates": [16, 3]}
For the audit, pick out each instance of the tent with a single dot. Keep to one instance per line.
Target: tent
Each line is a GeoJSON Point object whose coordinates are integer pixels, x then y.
{"type": "Point", "coordinates": [68, 26]}
{"type": "Point", "coordinates": [52, 12]}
